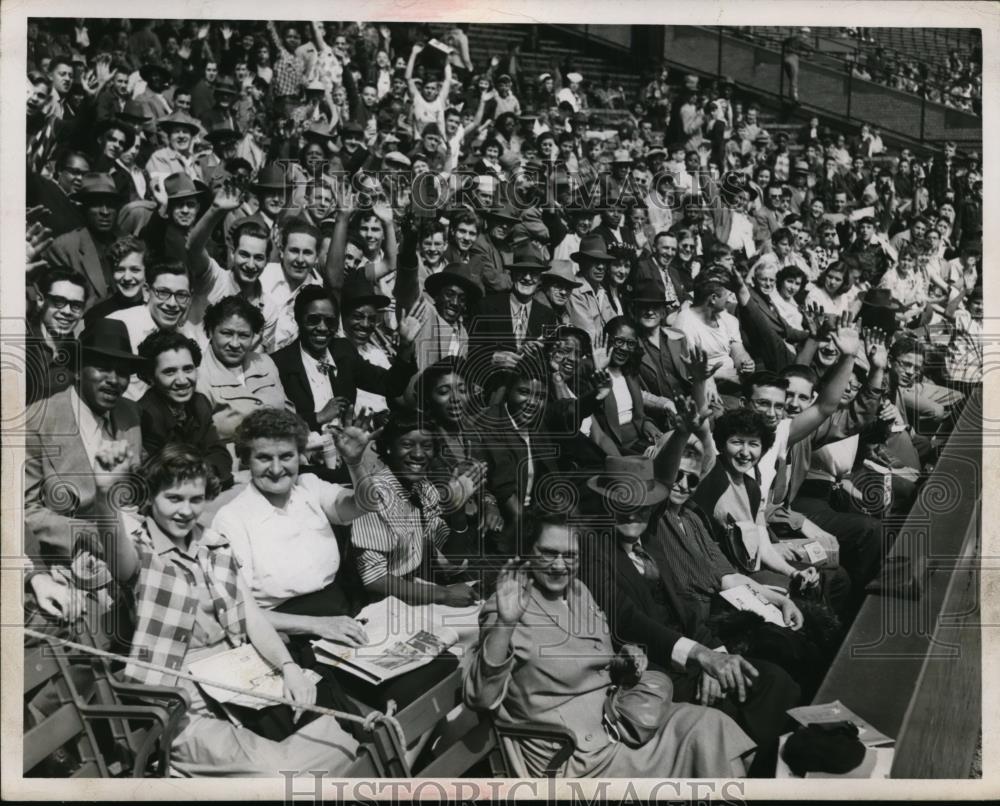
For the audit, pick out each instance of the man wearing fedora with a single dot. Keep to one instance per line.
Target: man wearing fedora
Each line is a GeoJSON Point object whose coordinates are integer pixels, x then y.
{"type": "Point", "coordinates": [176, 157]}
{"type": "Point", "coordinates": [663, 370]}
{"type": "Point", "coordinates": [491, 254]}
{"type": "Point", "coordinates": [85, 429]}
{"type": "Point", "coordinates": [505, 322]}
{"type": "Point", "coordinates": [221, 114]}
{"type": "Point", "coordinates": [157, 77]}
{"type": "Point", "coordinates": [166, 232]}
{"type": "Point", "coordinates": [588, 306]}
{"type": "Point", "coordinates": [632, 572]}
{"type": "Point", "coordinates": [85, 248]}
{"type": "Point", "coordinates": [558, 282]}
{"type": "Point", "coordinates": [453, 293]}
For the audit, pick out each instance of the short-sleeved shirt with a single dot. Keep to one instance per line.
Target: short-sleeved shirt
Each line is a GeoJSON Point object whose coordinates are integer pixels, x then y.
{"type": "Point", "coordinates": [717, 342]}
{"type": "Point", "coordinates": [392, 540]}
{"type": "Point", "coordinates": [287, 552]}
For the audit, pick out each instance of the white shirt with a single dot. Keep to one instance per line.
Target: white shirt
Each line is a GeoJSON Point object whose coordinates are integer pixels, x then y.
{"type": "Point", "coordinates": [741, 235]}
{"type": "Point", "coordinates": [282, 330]}
{"type": "Point", "coordinates": [94, 432]}
{"type": "Point", "coordinates": [286, 552]}
{"type": "Point", "coordinates": [319, 379]}
{"type": "Point", "coordinates": [768, 465]}
{"type": "Point", "coordinates": [623, 398]}
{"type": "Point", "coordinates": [139, 323]}
{"type": "Point", "coordinates": [377, 358]}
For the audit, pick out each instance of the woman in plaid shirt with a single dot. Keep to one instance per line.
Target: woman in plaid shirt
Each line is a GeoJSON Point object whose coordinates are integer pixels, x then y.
{"type": "Point", "coordinates": [190, 603]}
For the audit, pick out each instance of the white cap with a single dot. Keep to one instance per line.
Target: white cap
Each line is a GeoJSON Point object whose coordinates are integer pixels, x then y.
{"type": "Point", "coordinates": [575, 78]}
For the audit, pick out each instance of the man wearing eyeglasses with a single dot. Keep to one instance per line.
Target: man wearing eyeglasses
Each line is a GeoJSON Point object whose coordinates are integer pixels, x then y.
{"type": "Point", "coordinates": [63, 213]}
{"type": "Point", "coordinates": [50, 346]}
{"type": "Point", "coordinates": [769, 218]}
{"type": "Point", "coordinates": [167, 292]}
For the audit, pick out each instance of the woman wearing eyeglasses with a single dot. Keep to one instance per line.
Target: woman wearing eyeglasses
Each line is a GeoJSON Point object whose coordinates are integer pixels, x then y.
{"type": "Point", "coordinates": [622, 419]}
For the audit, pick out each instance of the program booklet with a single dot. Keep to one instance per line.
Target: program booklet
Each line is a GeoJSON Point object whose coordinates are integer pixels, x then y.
{"type": "Point", "coordinates": [401, 638]}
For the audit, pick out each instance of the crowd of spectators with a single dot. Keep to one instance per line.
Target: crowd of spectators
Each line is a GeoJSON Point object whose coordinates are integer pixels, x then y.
{"type": "Point", "coordinates": [358, 314]}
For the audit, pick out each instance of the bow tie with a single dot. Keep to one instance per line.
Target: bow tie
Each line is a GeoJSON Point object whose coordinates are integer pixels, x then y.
{"type": "Point", "coordinates": [327, 367]}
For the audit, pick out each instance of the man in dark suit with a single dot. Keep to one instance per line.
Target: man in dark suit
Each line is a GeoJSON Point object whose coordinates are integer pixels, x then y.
{"type": "Point", "coordinates": [55, 196]}
{"type": "Point", "coordinates": [943, 177]}
{"type": "Point", "coordinates": [320, 373]}
{"type": "Point", "coordinates": [506, 322]}
{"type": "Point", "coordinates": [624, 568]}
{"type": "Point", "coordinates": [51, 349]}
{"type": "Point", "coordinates": [660, 269]}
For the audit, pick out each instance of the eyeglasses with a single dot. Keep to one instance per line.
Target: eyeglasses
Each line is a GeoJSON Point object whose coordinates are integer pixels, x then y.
{"type": "Point", "coordinates": [59, 303]}
{"type": "Point", "coordinates": [547, 557]}
{"type": "Point", "coordinates": [317, 319]}
{"type": "Point", "coordinates": [691, 479]}
{"type": "Point", "coordinates": [624, 344]}
{"type": "Point", "coordinates": [164, 294]}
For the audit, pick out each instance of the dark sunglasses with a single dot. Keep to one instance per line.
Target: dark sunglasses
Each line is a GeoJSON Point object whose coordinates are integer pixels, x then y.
{"type": "Point", "coordinates": [692, 479]}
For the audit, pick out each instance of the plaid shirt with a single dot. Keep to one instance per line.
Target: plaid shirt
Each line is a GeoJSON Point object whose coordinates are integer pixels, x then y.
{"type": "Point", "coordinates": [166, 600]}
{"type": "Point", "coordinates": [287, 75]}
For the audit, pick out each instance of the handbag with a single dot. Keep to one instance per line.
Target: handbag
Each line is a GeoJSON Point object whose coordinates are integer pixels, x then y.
{"type": "Point", "coordinates": [733, 542]}
{"type": "Point", "coordinates": [634, 714]}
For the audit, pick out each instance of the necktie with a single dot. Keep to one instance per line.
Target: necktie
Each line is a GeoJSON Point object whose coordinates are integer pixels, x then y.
{"type": "Point", "coordinates": [521, 325]}
{"type": "Point", "coordinates": [649, 568]}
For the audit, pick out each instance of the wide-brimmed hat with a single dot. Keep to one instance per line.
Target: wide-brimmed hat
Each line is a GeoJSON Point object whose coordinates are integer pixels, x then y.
{"type": "Point", "coordinates": [181, 186]}
{"type": "Point", "coordinates": [352, 127]}
{"type": "Point", "coordinates": [459, 274]}
{"type": "Point", "coordinates": [108, 338]}
{"type": "Point", "coordinates": [592, 247]}
{"type": "Point", "coordinates": [628, 482]}
{"type": "Point", "coordinates": [270, 178]}
{"type": "Point", "coordinates": [358, 291]}
{"type": "Point", "coordinates": [562, 272]}
{"type": "Point", "coordinates": [563, 331]}
{"type": "Point", "coordinates": [95, 185]}
{"type": "Point", "coordinates": [179, 120]}
{"type": "Point", "coordinates": [114, 123]}
{"type": "Point", "coordinates": [622, 156]}
{"type": "Point", "coordinates": [800, 167]}
{"type": "Point", "coordinates": [154, 67]}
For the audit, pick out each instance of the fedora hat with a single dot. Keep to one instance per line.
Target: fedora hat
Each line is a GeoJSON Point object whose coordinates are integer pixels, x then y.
{"type": "Point", "coordinates": [459, 274]}
{"type": "Point", "coordinates": [152, 68]}
{"type": "Point", "coordinates": [628, 482]}
{"type": "Point", "coordinates": [270, 178]}
{"type": "Point", "coordinates": [502, 214]}
{"type": "Point", "coordinates": [97, 184]}
{"type": "Point", "coordinates": [592, 247]}
{"type": "Point", "coordinates": [562, 272]}
{"type": "Point", "coordinates": [527, 259]}
{"type": "Point", "coordinates": [359, 291]}
{"type": "Point", "coordinates": [880, 298]}
{"type": "Point", "coordinates": [179, 120]}
{"type": "Point", "coordinates": [648, 291]}
{"type": "Point", "coordinates": [134, 114]}
{"type": "Point", "coordinates": [318, 132]}
{"type": "Point", "coordinates": [221, 133]}
{"type": "Point", "coordinates": [565, 331]}
{"type": "Point", "coordinates": [108, 338]}
{"type": "Point", "coordinates": [352, 127]}
{"type": "Point", "coordinates": [180, 186]}
{"type": "Point", "coordinates": [225, 85]}
{"type": "Point", "coordinates": [622, 156]}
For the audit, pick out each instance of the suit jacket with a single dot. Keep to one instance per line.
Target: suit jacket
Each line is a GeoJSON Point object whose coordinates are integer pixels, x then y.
{"type": "Point", "coordinates": [648, 270]}
{"type": "Point", "coordinates": [606, 415]}
{"type": "Point", "coordinates": [352, 373]}
{"type": "Point", "coordinates": [59, 486]}
{"type": "Point", "coordinates": [492, 328]}
{"type": "Point", "coordinates": [765, 332]}
{"type": "Point", "coordinates": [64, 214]}
{"type": "Point", "coordinates": [49, 366]}
{"type": "Point", "coordinates": [77, 250]}
{"type": "Point", "coordinates": [634, 614]}
{"type": "Point", "coordinates": [489, 265]}
{"type": "Point", "coordinates": [664, 371]}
